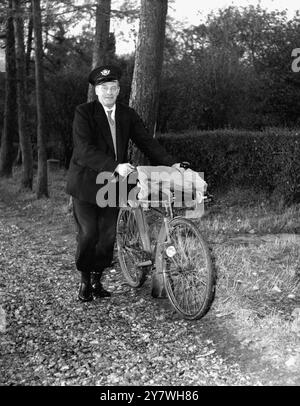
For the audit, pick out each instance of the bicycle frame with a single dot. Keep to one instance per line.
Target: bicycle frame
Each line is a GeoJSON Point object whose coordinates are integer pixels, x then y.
{"type": "Point", "coordinates": [142, 223]}
{"type": "Point", "coordinates": [143, 228]}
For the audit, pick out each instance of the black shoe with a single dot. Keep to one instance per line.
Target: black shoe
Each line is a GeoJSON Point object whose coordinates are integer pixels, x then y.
{"type": "Point", "coordinates": [85, 292]}
{"type": "Point", "coordinates": [99, 291]}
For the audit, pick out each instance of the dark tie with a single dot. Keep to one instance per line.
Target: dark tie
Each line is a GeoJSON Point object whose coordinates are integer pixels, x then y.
{"type": "Point", "coordinates": [111, 121]}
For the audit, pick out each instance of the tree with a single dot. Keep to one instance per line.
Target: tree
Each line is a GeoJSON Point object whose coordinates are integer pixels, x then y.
{"type": "Point", "coordinates": [25, 141]}
{"type": "Point", "coordinates": [148, 65]}
{"type": "Point", "coordinates": [10, 124]}
{"type": "Point", "coordinates": [42, 178]}
{"type": "Point", "coordinates": [29, 43]}
{"type": "Point", "coordinates": [101, 38]}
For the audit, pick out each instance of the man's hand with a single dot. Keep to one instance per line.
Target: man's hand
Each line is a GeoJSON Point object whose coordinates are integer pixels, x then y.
{"type": "Point", "coordinates": [124, 169]}
{"type": "Point", "coordinates": [177, 166]}
{"type": "Point", "coordinates": [181, 166]}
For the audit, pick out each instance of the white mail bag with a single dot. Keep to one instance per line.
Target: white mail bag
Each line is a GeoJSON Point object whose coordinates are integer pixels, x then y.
{"type": "Point", "coordinates": [161, 183]}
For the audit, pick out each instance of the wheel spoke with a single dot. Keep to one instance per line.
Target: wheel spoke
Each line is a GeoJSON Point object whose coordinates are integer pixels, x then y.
{"type": "Point", "coordinates": [188, 274]}
{"type": "Point", "coordinates": [130, 248]}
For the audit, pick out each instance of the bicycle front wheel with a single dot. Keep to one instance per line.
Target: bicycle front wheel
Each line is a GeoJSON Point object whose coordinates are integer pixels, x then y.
{"type": "Point", "coordinates": [130, 248]}
{"type": "Point", "coordinates": [185, 261]}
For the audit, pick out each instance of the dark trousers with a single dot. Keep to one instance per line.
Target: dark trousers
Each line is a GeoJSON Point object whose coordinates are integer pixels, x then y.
{"type": "Point", "coordinates": [96, 233]}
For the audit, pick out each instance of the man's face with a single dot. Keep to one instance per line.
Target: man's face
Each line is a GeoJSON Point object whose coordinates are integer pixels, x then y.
{"type": "Point", "coordinates": [107, 92]}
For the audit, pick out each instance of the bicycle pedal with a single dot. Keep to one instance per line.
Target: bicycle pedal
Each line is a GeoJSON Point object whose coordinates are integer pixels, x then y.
{"type": "Point", "coordinates": [145, 263]}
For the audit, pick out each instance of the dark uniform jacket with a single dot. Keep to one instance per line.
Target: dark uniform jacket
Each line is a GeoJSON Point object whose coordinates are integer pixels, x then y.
{"type": "Point", "coordinates": [93, 150]}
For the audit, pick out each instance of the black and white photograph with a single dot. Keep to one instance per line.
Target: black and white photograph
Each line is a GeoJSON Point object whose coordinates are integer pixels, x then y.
{"type": "Point", "coordinates": [149, 197]}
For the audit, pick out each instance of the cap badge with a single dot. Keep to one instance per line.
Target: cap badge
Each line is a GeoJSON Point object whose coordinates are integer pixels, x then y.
{"type": "Point", "coordinates": [105, 72]}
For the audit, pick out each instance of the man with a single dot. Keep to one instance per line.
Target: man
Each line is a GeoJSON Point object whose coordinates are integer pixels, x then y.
{"type": "Point", "coordinates": [101, 132]}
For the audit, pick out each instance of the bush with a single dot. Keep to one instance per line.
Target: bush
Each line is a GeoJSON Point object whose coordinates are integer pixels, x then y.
{"type": "Point", "coordinates": [287, 180]}
{"type": "Point", "coordinates": [268, 160]}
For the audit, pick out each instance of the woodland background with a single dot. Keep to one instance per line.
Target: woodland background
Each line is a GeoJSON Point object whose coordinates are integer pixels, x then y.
{"type": "Point", "coordinates": [231, 73]}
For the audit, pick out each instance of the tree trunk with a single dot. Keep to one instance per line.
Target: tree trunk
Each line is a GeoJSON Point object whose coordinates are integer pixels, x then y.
{"type": "Point", "coordinates": [42, 178]}
{"type": "Point", "coordinates": [18, 160]}
{"type": "Point", "coordinates": [10, 128]}
{"type": "Point", "coordinates": [25, 141]}
{"type": "Point", "coordinates": [144, 95]}
{"type": "Point", "coordinates": [101, 39]}
{"type": "Point", "coordinates": [29, 43]}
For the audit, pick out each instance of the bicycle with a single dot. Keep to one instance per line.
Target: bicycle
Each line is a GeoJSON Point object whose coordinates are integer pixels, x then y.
{"type": "Point", "coordinates": [180, 254]}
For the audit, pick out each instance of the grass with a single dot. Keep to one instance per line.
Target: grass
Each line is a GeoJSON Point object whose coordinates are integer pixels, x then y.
{"type": "Point", "coordinates": [269, 271]}
{"type": "Point", "coordinates": [258, 282]}
{"type": "Point", "coordinates": [244, 211]}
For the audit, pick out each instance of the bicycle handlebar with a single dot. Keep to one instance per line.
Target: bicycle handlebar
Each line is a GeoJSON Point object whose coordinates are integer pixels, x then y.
{"type": "Point", "coordinates": [185, 165]}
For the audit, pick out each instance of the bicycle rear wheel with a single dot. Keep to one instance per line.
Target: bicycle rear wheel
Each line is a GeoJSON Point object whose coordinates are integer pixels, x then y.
{"type": "Point", "coordinates": [188, 272]}
{"type": "Point", "coordinates": [130, 248]}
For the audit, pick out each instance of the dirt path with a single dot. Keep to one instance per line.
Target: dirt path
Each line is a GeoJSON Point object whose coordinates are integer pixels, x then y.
{"type": "Point", "coordinates": [131, 339]}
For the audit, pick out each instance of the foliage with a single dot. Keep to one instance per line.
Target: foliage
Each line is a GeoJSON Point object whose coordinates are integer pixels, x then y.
{"type": "Point", "coordinates": [233, 71]}
{"type": "Point", "coordinates": [268, 160]}
{"type": "Point", "coordinates": [288, 177]}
